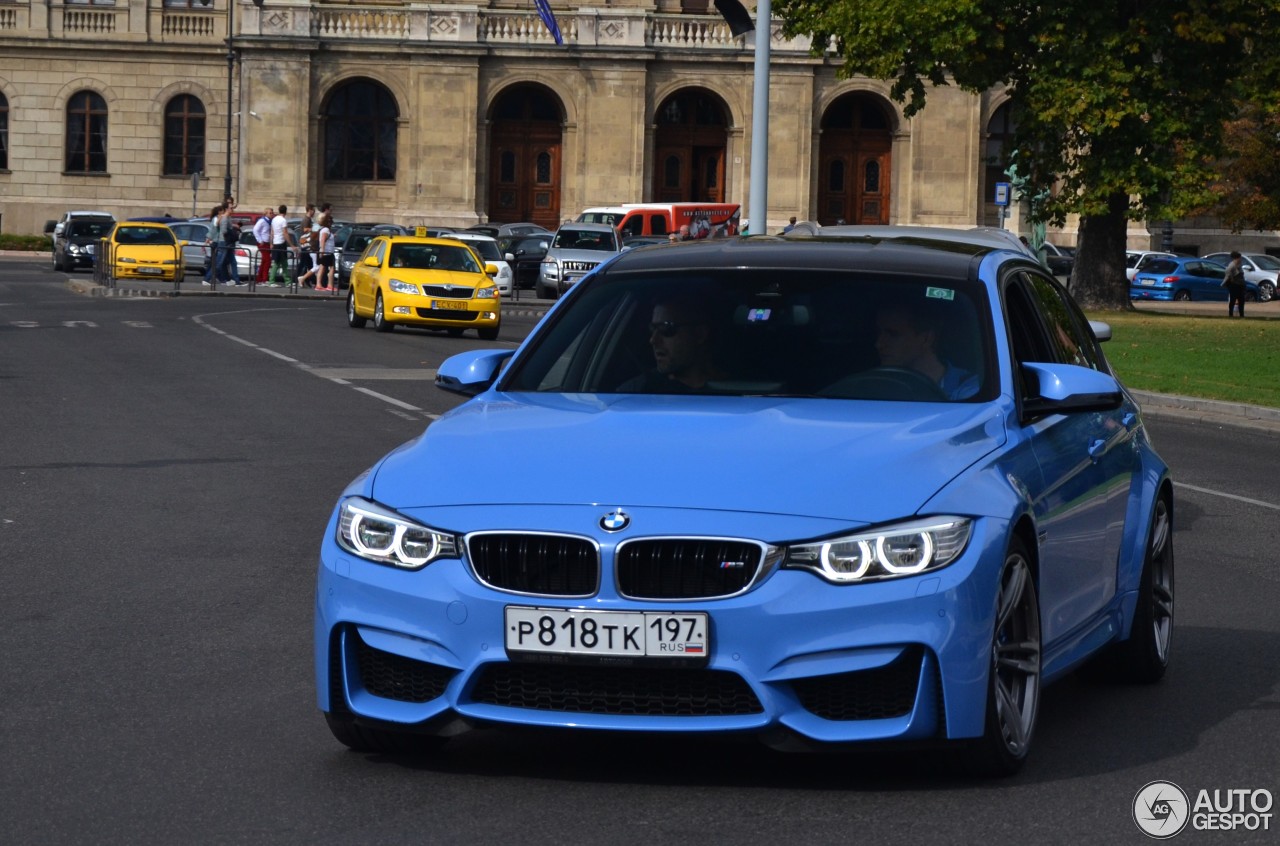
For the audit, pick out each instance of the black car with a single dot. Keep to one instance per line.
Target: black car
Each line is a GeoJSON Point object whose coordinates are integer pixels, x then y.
{"type": "Point", "coordinates": [525, 254]}
{"type": "Point", "coordinates": [75, 247]}
{"type": "Point", "coordinates": [348, 243]}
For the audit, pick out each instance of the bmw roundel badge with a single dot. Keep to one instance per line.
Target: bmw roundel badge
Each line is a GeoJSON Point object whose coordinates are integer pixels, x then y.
{"type": "Point", "coordinates": [615, 521]}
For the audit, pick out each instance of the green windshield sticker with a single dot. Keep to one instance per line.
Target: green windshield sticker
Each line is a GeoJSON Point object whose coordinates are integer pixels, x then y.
{"type": "Point", "coordinates": [939, 293]}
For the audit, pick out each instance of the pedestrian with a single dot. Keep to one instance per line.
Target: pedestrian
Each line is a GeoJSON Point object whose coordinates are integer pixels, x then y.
{"type": "Point", "coordinates": [791, 224]}
{"type": "Point", "coordinates": [229, 237]}
{"type": "Point", "coordinates": [308, 252]}
{"type": "Point", "coordinates": [326, 281]}
{"type": "Point", "coordinates": [281, 243]}
{"type": "Point", "coordinates": [1234, 282]}
{"type": "Point", "coordinates": [262, 234]}
{"type": "Point", "coordinates": [213, 246]}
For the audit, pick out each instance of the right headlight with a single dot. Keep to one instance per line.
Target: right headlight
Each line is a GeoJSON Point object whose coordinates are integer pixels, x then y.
{"type": "Point", "coordinates": [885, 552]}
{"type": "Point", "coordinates": [379, 534]}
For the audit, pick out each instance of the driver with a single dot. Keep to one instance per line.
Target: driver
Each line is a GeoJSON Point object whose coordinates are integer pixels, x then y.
{"type": "Point", "coordinates": [682, 342]}
{"type": "Point", "coordinates": [908, 337]}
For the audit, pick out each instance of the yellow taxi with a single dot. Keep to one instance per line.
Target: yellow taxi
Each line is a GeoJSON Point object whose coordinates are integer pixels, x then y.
{"type": "Point", "coordinates": [435, 283]}
{"type": "Point", "coordinates": [138, 250]}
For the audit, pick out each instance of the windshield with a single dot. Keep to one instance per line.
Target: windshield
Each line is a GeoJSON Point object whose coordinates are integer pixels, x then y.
{"type": "Point", "coordinates": [149, 235]}
{"type": "Point", "coordinates": [89, 228]}
{"type": "Point", "coordinates": [585, 239]}
{"type": "Point", "coordinates": [839, 335]}
{"type": "Point", "coordinates": [487, 250]}
{"type": "Point", "coordinates": [432, 257]}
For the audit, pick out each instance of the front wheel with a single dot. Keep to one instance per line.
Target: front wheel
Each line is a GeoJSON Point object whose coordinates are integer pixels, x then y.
{"type": "Point", "coordinates": [488, 334]}
{"type": "Point", "coordinates": [1013, 686]}
{"type": "Point", "coordinates": [354, 320]}
{"type": "Point", "coordinates": [380, 321]}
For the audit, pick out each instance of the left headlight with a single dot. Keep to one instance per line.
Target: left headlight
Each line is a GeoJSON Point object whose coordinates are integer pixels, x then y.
{"type": "Point", "coordinates": [379, 534]}
{"type": "Point", "coordinates": [403, 287]}
{"type": "Point", "coordinates": [886, 552]}
{"type": "Point", "coordinates": [488, 293]}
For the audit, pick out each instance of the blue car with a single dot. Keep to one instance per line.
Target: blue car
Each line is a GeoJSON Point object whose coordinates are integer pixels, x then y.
{"type": "Point", "coordinates": [828, 491]}
{"type": "Point", "coordinates": [1183, 279]}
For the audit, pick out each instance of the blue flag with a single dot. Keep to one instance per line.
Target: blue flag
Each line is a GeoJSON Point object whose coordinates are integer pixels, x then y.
{"type": "Point", "coordinates": [549, 18]}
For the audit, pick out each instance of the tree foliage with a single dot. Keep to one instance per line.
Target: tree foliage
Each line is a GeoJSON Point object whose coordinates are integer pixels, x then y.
{"type": "Point", "coordinates": [1119, 108]}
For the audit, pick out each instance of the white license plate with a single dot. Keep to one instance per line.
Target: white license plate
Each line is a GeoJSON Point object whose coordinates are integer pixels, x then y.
{"type": "Point", "coordinates": [151, 271]}
{"type": "Point", "coordinates": [1148, 281]}
{"type": "Point", "coordinates": [639, 634]}
{"type": "Point", "coordinates": [451, 305]}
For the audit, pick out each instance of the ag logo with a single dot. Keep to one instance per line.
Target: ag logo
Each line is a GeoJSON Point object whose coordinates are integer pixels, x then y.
{"type": "Point", "coordinates": [1161, 809]}
{"type": "Point", "coordinates": [615, 521]}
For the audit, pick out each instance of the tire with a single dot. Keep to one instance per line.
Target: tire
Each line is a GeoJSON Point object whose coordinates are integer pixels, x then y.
{"type": "Point", "coordinates": [1182, 296]}
{"type": "Point", "coordinates": [367, 739]}
{"type": "Point", "coordinates": [489, 334]}
{"type": "Point", "coordinates": [354, 320]}
{"type": "Point", "coordinates": [540, 291]}
{"type": "Point", "coordinates": [1144, 657]}
{"type": "Point", "coordinates": [380, 321]}
{"type": "Point", "coordinates": [1013, 686]}
{"type": "Point", "coordinates": [1266, 292]}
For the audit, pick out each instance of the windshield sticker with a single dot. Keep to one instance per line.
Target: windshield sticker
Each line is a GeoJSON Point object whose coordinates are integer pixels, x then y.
{"type": "Point", "coordinates": [939, 293]}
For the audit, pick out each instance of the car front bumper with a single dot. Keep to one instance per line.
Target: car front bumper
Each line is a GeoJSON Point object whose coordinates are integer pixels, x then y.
{"type": "Point", "coordinates": [796, 657]}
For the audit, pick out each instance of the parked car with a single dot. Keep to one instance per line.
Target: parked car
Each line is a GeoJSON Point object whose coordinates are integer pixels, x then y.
{"type": "Point", "coordinates": [195, 250]}
{"type": "Point", "coordinates": [78, 242]}
{"type": "Point", "coordinates": [349, 243]}
{"type": "Point", "coordinates": [486, 248]}
{"type": "Point", "coordinates": [525, 255]}
{"type": "Point", "coordinates": [1258, 267]}
{"type": "Point", "coordinates": [1139, 259]}
{"type": "Point", "coordinates": [54, 228]}
{"type": "Point", "coordinates": [1061, 260]}
{"type": "Point", "coordinates": [144, 250]}
{"type": "Point", "coordinates": [434, 283]}
{"type": "Point", "coordinates": [505, 233]}
{"type": "Point", "coordinates": [1183, 279]}
{"type": "Point", "coordinates": [736, 546]}
{"type": "Point", "coordinates": [576, 250]}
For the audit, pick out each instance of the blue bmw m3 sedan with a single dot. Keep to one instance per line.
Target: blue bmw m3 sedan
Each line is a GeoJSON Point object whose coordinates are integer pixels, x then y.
{"type": "Point", "coordinates": [859, 487]}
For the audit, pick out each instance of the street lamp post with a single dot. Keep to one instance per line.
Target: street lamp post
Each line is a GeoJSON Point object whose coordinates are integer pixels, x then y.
{"type": "Point", "coordinates": [231, 63]}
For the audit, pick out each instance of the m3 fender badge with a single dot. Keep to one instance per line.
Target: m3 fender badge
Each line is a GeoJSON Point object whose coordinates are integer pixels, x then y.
{"type": "Point", "coordinates": [615, 521]}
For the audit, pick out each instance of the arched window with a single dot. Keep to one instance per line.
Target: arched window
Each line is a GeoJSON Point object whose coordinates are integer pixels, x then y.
{"type": "Point", "coordinates": [86, 133]}
{"type": "Point", "coordinates": [4, 132]}
{"type": "Point", "coordinates": [360, 132]}
{"type": "Point", "coordinates": [183, 136]}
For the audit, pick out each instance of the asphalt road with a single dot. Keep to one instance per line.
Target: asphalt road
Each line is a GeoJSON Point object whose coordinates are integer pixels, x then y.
{"type": "Point", "coordinates": [168, 465]}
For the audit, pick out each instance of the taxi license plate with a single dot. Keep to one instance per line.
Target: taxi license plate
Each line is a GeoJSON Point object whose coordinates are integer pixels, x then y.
{"type": "Point", "coordinates": [607, 634]}
{"type": "Point", "coordinates": [151, 271]}
{"type": "Point", "coordinates": [454, 305]}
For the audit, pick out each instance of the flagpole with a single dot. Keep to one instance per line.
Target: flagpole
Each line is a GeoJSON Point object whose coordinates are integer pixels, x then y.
{"type": "Point", "coordinates": [758, 199]}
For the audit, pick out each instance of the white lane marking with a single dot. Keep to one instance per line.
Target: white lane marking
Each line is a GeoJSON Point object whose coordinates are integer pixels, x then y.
{"type": "Point", "coordinates": [1261, 504]}
{"type": "Point", "coordinates": [323, 373]}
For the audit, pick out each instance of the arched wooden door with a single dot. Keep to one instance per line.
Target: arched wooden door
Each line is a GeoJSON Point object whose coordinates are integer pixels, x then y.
{"type": "Point", "coordinates": [855, 162]}
{"type": "Point", "coordinates": [525, 148]}
{"type": "Point", "coordinates": [689, 148]}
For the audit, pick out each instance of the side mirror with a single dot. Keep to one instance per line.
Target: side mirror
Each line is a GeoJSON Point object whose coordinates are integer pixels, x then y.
{"type": "Point", "coordinates": [1067, 389]}
{"type": "Point", "coordinates": [371, 261]}
{"type": "Point", "coordinates": [509, 258]}
{"type": "Point", "coordinates": [491, 269]}
{"type": "Point", "coordinates": [471, 373]}
{"type": "Point", "coordinates": [1101, 331]}
{"type": "Point", "coordinates": [49, 226]}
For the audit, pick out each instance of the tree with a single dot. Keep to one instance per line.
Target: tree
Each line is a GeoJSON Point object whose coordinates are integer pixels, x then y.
{"type": "Point", "coordinates": [1118, 107]}
{"type": "Point", "coordinates": [1247, 193]}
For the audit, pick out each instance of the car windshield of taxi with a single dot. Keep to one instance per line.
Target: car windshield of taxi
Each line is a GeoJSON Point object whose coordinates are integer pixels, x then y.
{"type": "Point", "coordinates": [145, 251]}
{"type": "Point", "coordinates": [402, 280]}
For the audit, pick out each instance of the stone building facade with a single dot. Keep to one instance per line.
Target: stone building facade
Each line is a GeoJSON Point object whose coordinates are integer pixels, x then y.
{"type": "Point", "coordinates": [453, 114]}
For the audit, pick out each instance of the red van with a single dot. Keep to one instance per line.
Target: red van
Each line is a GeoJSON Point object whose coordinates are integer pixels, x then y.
{"type": "Point", "coordinates": [635, 219]}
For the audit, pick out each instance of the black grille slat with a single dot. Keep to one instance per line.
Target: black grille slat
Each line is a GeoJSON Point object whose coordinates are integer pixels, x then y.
{"type": "Point", "coordinates": [548, 565]}
{"type": "Point", "coordinates": [448, 292]}
{"type": "Point", "coordinates": [396, 677]}
{"type": "Point", "coordinates": [448, 314]}
{"type": "Point", "coordinates": [616, 690]}
{"type": "Point", "coordinates": [677, 568]}
{"type": "Point", "coordinates": [878, 694]}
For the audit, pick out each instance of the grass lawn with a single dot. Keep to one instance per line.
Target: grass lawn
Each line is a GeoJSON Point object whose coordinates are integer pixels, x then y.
{"type": "Point", "coordinates": [1208, 357]}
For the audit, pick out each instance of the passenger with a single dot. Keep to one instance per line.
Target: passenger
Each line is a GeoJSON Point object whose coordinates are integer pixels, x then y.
{"type": "Point", "coordinates": [683, 344]}
{"type": "Point", "coordinates": [908, 337]}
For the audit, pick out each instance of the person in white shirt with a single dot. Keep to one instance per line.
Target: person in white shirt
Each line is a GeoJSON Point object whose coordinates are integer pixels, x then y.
{"type": "Point", "coordinates": [262, 234]}
{"type": "Point", "coordinates": [281, 243]}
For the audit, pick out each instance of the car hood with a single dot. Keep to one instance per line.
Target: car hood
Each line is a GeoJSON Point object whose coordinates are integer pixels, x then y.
{"type": "Point", "coordinates": [841, 459]}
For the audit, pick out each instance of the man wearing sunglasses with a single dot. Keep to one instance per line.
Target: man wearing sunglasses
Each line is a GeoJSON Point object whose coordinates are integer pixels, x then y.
{"type": "Point", "coordinates": [683, 344]}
